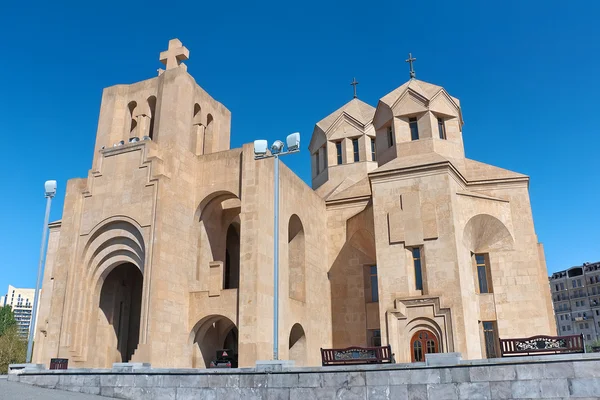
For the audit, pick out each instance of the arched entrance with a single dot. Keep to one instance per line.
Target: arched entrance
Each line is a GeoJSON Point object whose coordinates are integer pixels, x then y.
{"type": "Point", "coordinates": [121, 304]}
{"type": "Point", "coordinates": [210, 334]}
{"type": "Point", "coordinates": [423, 342]}
{"type": "Point", "coordinates": [297, 345]}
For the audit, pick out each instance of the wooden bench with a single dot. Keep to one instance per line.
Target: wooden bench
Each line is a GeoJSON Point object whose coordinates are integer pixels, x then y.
{"type": "Point", "coordinates": [541, 345]}
{"type": "Point", "coordinates": [357, 355]}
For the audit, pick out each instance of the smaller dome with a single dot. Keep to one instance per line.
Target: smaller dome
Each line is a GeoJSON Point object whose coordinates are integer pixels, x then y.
{"type": "Point", "coordinates": [356, 109]}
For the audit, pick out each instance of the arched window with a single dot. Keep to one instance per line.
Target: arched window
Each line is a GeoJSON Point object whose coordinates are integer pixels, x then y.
{"type": "Point", "coordinates": [132, 122]}
{"type": "Point", "coordinates": [231, 275]}
{"type": "Point", "coordinates": [152, 107]}
{"type": "Point", "coordinates": [296, 259]}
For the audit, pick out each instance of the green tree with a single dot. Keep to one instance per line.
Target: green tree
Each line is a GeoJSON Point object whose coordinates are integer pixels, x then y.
{"type": "Point", "coordinates": [7, 319]}
{"type": "Point", "coordinates": [13, 349]}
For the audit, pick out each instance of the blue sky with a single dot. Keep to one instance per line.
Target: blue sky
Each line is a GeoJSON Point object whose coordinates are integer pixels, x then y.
{"type": "Point", "coordinates": [526, 73]}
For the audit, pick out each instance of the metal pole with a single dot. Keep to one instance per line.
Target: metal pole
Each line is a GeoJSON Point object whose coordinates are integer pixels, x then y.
{"type": "Point", "coordinates": [276, 263]}
{"type": "Point", "coordinates": [39, 278]}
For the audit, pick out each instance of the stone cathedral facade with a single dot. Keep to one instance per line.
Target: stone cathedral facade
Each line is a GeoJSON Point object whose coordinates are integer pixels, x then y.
{"type": "Point", "coordinates": [164, 253]}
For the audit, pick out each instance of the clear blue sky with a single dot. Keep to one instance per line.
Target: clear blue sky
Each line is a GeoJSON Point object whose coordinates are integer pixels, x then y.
{"type": "Point", "coordinates": [526, 72]}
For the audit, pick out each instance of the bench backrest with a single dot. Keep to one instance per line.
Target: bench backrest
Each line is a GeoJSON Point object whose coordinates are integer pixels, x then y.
{"type": "Point", "coordinates": [356, 355]}
{"type": "Point", "coordinates": [542, 344]}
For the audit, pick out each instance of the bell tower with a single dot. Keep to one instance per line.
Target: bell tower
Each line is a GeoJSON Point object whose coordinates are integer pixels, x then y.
{"type": "Point", "coordinates": [170, 110]}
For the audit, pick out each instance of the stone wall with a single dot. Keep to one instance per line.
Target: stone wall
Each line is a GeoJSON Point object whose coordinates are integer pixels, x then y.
{"type": "Point", "coordinates": [547, 377]}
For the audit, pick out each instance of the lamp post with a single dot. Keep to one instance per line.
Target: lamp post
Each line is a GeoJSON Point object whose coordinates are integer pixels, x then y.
{"type": "Point", "coordinates": [50, 187]}
{"type": "Point", "coordinates": [260, 152]}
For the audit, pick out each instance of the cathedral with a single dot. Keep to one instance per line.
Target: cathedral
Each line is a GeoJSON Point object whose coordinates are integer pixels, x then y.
{"type": "Point", "coordinates": [164, 253]}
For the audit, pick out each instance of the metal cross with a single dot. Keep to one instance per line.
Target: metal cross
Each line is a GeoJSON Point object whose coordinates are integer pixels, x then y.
{"type": "Point", "coordinates": [175, 54]}
{"type": "Point", "coordinates": [410, 61]}
{"type": "Point", "coordinates": [354, 83]}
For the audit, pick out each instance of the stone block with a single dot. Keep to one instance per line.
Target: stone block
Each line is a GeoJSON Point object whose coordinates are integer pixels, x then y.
{"type": "Point", "coordinates": [197, 381]}
{"type": "Point", "coordinates": [352, 393]}
{"type": "Point", "coordinates": [309, 380]}
{"type": "Point", "coordinates": [343, 379]}
{"type": "Point", "coordinates": [399, 377]}
{"type": "Point", "coordinates": [586, 369]}
{"type": "Point", "coordinates": [559, 370]}
{"type": "Point", "coordinates": [90, 390]}
{"type": "Point", "coordinates": [147, 381]}
{"type": "Point", "coordinates": [108, 380]}
{"type": "Point", "coordinates": [526, 389]}
{"type": "Point", "coordinates": [91, 380]}
{"type": "Point", "coordinates": [313, 393]}
{"type": "Point", "coordinates": [442, 391]}
{"type": "Point", "coordinates": [377, 378]}
{"type": "Point", "coordinates": [424, 375]}
{"type": "Point", "coordinates": [530, 371]}
{"type": "Point", "coordinates": [47, 381]}
{"type": "Point", "coordinates": [223, 380]}
{"type": "Point", "coordinates": [107, 391]}
{"type": "Point", "coordinates": [253, 381]}
{"type": "Point", "coordinates": [501, 390]}
{"type": "Point", "coordinates": [278, 394]}
{"type": "Point", "coordinates": [440, 359]}
{"type": "Point", "coordinates": [378, 392]}
{"type": "Point", "coordinates": [252, 393]}
{"type": "Point", "coordinates": [285, 380]}
{"type": "Point", "coordinates": [416, 392]}
{"type": "Point", "coordinates": [273, 365]}
{"type": "Point", "coordinates": [584, 387]}
{"type": "Point", "coordinates": [474, 391]}
{"type": "Point", "coordinates": [188, 393]}
{"type": "Point", "coordinates": [554, 388]}
{"type": "Point", "coordinates": [454, 375]}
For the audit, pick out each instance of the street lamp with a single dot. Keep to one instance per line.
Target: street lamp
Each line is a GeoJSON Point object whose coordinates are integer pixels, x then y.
{"type": "Point", "coordinates": [50, 192]}
{"type": "Point", "coordinates": [260, 152]}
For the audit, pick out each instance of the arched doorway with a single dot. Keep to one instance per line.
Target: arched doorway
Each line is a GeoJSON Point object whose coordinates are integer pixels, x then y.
{"type": "Point", "coordinates": [121, 305]}
{"type": "Point", "coordinates": [210, 334]}
{"type": "Point", "coordinates": [297, 345]}
{"type": "Point", "coordinates": [423, 342]}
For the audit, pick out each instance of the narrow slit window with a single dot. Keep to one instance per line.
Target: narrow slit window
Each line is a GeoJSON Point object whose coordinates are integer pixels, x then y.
{"type": "Point", "coordinates": [442, 128]}
{"type": "Point", "coordinates": [373, 155]}
{"type": "Point", "coordinates": [416, 252]}
{"type": "Point", "coordinates": [390, 136]}
{"type": "Point", "coordinates": [374, 286]}
{"type": "Point", "coordinates": [483, 273]}
{"type": "Point", "coordinates": [338, 150]}
{"type": "Point", "coordinates": [355, 150]}
{"type": "Point", "coordinates": [414, 128]}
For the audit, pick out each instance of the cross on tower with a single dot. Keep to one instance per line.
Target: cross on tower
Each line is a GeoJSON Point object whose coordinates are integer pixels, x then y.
{"type": "Point", "coordinates": [410, 61]}
{"type": "Point", "coordinates": [354, 83]}
{"type": "Point", "coordinates": [174, 55]}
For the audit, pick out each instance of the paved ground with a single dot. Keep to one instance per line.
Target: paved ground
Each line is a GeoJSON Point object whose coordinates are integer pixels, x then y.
{"type": "Point", "coordinates": [20, 391]}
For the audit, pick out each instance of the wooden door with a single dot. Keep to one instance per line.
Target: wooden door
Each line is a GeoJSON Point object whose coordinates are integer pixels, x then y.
{"type": "Point", "coordinates": [423, 342]}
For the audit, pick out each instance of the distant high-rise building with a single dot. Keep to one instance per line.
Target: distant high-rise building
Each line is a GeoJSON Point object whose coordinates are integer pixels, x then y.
{"type": "Point", "coordinates": [21, 302]}
{"type": "Point", "coordinates": [576, 298]}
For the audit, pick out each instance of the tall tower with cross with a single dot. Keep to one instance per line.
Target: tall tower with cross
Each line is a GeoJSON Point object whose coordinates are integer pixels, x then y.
{"type": "Point", "coordinates": [170, 110]}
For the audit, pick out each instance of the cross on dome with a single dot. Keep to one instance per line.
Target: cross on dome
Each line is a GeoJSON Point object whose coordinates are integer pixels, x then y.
{"type": "Point", "coordinates": [411, 60]}
{"type": "Point", "coordinates": [174, 55]}
{"type": "Point", "coordinates": [354, 83]}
